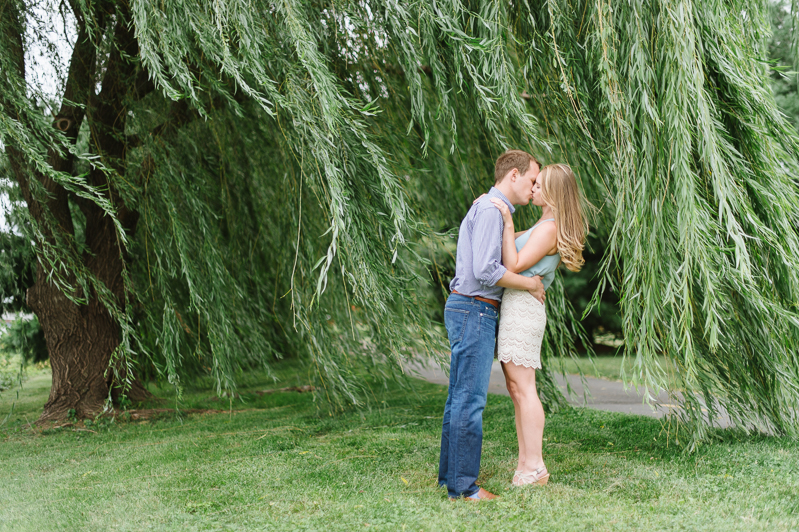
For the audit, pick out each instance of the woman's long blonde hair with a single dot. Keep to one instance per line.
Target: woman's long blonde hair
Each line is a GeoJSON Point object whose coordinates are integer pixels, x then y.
{"type": "Point", "coordinates": [560, 192]}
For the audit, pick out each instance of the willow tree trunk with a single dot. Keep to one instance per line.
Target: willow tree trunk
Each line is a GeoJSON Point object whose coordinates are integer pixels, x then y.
{"type": "Point", "coordinates": [81, 338]}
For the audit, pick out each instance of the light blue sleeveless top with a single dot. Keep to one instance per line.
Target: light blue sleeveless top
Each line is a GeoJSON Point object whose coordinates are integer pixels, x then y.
{"type": "Point", "coordinates": [546, 266]}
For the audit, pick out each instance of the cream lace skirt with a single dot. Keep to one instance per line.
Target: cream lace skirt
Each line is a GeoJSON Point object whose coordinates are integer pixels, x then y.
{"type": "Point", "coordinates": [522, 320]}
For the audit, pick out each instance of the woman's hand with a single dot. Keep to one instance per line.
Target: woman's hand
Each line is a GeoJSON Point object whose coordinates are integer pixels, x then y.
{"type": "Point", "coordinates": [509, 254]}
{"type": "Point", "coordinates": [503, 208]}
{"type": "Point", "coordinates": [478, 198]}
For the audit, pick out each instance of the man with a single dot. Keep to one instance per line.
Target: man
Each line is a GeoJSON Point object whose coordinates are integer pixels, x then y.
{"type": "Point", "coordinates": [470, 316]}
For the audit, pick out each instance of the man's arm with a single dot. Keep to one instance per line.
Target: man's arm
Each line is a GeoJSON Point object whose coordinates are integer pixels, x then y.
{"type": "Point", "coordinates": [520, 282]}
{"type": "Point", "coordinates": [486, 246]}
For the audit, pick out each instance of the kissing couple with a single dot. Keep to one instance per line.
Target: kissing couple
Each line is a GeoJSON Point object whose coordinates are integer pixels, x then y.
{"type": "Point", "coordinates": [491, 259]}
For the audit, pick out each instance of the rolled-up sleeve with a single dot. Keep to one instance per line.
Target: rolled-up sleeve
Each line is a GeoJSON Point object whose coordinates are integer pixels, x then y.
{"type": "Point", "coordinates": [487, 247]}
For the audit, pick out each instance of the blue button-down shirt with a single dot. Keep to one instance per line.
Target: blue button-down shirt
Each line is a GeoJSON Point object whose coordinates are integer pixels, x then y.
{"type": "Point", "coordinates": [478, 263]}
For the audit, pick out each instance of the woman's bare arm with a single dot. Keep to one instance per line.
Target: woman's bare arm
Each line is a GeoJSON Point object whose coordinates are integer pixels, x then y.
{"type": "Point", "coordinates": [542, 242]}
{"type": "Point", "coordinates": [509, 255]}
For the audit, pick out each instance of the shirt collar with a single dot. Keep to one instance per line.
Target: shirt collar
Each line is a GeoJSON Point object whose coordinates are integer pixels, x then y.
{"type": "Point", "coordinates": [495, 193]}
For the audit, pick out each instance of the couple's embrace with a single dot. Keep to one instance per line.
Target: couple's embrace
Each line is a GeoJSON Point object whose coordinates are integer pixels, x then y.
{"type": "Point", "coordinates": [496, 264]}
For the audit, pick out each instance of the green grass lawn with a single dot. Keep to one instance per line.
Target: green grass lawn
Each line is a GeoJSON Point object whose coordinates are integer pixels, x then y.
{"type": "Point", "coordinates": [277, 462]}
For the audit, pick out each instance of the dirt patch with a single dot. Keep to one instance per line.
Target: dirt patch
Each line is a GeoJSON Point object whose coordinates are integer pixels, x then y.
{"type": "Point", "coordinates": [299, 389]}
{"type": "Point", "coordinates": [149, 413]}
{"type": "Point", "coordinates": [143, 414]}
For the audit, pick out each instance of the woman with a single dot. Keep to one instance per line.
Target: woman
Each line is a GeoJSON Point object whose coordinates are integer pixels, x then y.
{"type": "Point", "coordinates": [559, 236]}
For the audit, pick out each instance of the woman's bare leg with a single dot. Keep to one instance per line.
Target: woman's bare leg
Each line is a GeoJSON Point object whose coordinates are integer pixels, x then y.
{"type": "Point", "coordinates": [517, 415]}
{"type": "Point", "coordinates": [529, 415]}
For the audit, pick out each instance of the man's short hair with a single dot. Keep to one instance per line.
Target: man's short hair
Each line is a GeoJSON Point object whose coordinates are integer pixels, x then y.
{"type": "Point", "coordinates": [513, 159]}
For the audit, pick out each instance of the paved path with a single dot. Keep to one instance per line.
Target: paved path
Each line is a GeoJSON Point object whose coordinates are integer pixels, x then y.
{"type": "Point", "coordinates": [604, 394]}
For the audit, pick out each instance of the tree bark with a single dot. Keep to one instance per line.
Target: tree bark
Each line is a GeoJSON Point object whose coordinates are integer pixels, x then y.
{"type": "Point", "coordinates": [82, 338]}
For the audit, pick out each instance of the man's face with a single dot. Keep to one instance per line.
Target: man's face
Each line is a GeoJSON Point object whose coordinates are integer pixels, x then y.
{"type": "Point", "coordinates": [524, 184]}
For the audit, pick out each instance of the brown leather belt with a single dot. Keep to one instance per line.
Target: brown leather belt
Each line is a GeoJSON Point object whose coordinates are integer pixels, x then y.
{"type": "Point", "coordinates": [491, 302]}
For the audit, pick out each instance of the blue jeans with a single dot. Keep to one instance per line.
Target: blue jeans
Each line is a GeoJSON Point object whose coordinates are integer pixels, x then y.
{"type": "Point", "coordinates": [472, 331]}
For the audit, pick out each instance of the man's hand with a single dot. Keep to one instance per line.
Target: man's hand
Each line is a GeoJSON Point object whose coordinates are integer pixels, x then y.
{"type": "Point", "coordinates": [537, 289]}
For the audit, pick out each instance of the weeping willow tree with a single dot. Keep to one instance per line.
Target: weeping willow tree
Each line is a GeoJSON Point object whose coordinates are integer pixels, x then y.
{"type": "Point", "coordinates": [219, 185]}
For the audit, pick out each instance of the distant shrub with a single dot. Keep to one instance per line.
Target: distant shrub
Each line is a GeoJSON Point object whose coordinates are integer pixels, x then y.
{"type": "Point", "coordinates": [25, 338]}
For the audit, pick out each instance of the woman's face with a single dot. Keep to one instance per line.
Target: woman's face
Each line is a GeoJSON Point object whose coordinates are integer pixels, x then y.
{"type": "Point", "coordinates": [537, 200]}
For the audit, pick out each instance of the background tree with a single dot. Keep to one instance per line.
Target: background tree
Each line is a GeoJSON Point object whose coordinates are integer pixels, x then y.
{"type": "Point", "coordinates": [17, 257]}
{"type": "Point", "coordinates": [23, 336]}
{"type": "Point", "coordinates": [265, 179]}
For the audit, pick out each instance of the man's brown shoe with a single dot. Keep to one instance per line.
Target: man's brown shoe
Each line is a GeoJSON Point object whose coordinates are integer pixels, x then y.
{"type": "Point", "coordinates": [481, 495]}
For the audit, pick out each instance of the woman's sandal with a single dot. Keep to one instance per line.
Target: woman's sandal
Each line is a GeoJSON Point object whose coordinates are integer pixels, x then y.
{"type": "Point", "coordinates": [539, 477]}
